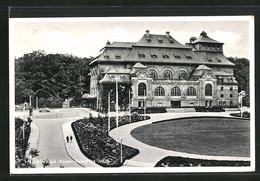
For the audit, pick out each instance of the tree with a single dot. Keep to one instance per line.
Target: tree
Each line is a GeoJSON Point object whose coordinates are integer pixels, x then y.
{"type": "Point", "coordinates": [241, 73]}
{"type": "Point", "coordinates": [50, 75]}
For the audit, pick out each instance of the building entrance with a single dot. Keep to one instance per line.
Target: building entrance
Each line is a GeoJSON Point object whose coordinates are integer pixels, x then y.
{"type": "Point", "coordinates": [175, 103]}
{"type": "Point", "coordinates": [140, 103]}
{"type": "Point", "coordinates": [208, 103]}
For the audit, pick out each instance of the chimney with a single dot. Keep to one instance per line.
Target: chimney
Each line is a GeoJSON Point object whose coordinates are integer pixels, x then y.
{"type": "Point", "coordinates": [147, 33]}
{"type": "Point", "coordinates": [168, 34]}
{"type": "Point", "coordinates": [192, 39]}
{"type": "Point", "coordinates": [108, 42]}
{"type": "Point", "coordinates": [203, 33]}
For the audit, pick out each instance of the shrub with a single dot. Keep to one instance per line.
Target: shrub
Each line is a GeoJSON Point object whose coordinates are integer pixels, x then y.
{"type": "Point", "coordinates": [172, 161]}
{"type": "Point", "coordinates": [209, 109]}
{"type": "Point", "coordinates": [150, 110]}
{"type": "Point", "coordinates": [245, 114]}
{"type": "Point", "coordinates": [21, 145]}
{"type": "Point", "coordinates": [94, 142]}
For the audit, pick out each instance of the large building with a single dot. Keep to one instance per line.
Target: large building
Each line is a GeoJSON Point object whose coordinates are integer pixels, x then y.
{"type": "Point", "coordinates": [160, 71]}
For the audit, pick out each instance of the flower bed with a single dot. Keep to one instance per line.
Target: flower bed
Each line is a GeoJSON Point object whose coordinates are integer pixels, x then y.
{"type": "Point", "coordinates": [209, 109]}
{"type": "Point", "coordinates": [94, 142]}
{"type": "Point", "coordinates": [190, 162]}
{"type": "Point", "coordinates": [150, 110]}
{"type": "Point", "coordinates": [244, 114]}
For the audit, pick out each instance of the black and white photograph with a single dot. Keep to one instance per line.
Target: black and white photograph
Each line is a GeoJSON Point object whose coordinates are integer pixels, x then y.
{"type": "Point", "coordinates": [132, 94]}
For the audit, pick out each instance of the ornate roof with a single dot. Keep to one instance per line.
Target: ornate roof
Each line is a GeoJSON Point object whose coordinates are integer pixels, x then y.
{"type": "Point", "coordinates": [205, 39]}
{"type": "Point", "coordinates": [152, 48]}
{"type": "Point", "coordinates": [165, 41]}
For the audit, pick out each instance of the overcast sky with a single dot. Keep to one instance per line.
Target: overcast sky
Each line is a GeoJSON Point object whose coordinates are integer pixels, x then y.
{"type": "Point", "coordinates": [85, 37]}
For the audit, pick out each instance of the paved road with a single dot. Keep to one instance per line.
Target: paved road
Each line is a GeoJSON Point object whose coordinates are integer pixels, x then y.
{"type": "Point", "coordinates": [51, 141]}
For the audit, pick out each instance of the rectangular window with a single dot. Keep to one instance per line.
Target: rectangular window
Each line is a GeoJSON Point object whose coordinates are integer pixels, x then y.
{"type": "Point", "coordinates": [231, 88]}
{"type": "Point", "coordinates": [220, 103]}
{"type": "Point", "coordinates": [231, 95]}
{"type": "Point", "coordinates": [221, 88]}
{"type": "Point", "coordinates": [231, 103]}
{"type": "Point", "coordinates": [222, 95]}
{"type": "Point", "coordinates": [224, 103]}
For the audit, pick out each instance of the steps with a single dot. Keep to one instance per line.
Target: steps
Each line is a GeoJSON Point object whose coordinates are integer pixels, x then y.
{"type": "Point", "coordinates": [180, 110]}
{"type": "Point", "coordinates": [131, 163]}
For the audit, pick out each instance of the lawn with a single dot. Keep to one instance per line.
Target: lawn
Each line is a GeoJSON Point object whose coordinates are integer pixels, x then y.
{"type": "Point", "coordinates": [207, 136]}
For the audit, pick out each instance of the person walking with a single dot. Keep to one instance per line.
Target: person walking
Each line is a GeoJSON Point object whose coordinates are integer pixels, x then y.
{"type": "Point", "coordinates": [67, 139]}
{"type": "Point", "coordinates": [70, 138]}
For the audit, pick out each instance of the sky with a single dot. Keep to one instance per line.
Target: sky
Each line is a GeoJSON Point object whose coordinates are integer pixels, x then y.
{"type": "Point", "coordinates": [84, 37]}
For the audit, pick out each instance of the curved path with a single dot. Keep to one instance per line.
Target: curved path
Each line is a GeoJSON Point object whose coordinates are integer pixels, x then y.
{"type": "Point", "coordinates": [150, 155]}
{"type": "Point", "coordinates": [52, 141]}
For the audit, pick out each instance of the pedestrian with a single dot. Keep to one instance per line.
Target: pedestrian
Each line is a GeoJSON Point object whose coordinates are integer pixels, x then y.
{"type": "Point", "coordinates": [70, 138]}
{"type": "Point", "coordinates": [67, 139]}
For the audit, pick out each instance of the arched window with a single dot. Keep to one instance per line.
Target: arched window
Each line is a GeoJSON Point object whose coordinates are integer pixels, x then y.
{"type": "Point", "coordinates": [191, 91]}
{"type": "Point", "coordinates": [167, 74]}
{"type": "Point", "coordinates": [159, 91]}
{"type": "Point", "coordinates": [176, 91]}
{"type": "Point", "coordinates": [142, 89]}
{"type": "Point", "coordinates": [154, 74]}
{"type": "Point", "coordinates": [182, 74]}
{"type": "Point", "coordinates": [208, 90]}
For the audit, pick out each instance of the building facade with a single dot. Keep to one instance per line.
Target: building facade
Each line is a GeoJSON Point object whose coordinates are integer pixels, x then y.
{"type": "Point", "coordinates": [161, 72]}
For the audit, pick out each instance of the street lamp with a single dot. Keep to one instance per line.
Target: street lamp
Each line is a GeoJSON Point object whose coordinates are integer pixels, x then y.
{"type": "Point", "coordinates": [240, 97]}
{"type": "Point", "coordinates": [144, 103]}
{"type": "Point", "coordinates": [129, 104]}
{"type": "Point", "coordinates": [121, 150]}
{"type": "Point", "coordinates": [108, 113]}
{"type": "Point", "coordinates": [117, 103]}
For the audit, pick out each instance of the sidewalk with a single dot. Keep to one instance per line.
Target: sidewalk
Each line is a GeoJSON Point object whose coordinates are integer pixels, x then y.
{"type": "Point", "coordinates": [150, 155]}
{"type": "Point", "coordinates": [33, 139]}
{"type": "Point", "coordinates": [73, 149]}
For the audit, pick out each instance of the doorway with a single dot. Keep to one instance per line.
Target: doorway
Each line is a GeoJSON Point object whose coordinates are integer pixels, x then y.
{"type": "Point", "coordinates": [175, 103]}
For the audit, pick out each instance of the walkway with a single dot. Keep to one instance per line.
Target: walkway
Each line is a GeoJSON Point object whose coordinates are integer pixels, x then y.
{"type": "Point", "coordinates": [48, 136]}
{"type": "Point", "coordinates": [150, 155]}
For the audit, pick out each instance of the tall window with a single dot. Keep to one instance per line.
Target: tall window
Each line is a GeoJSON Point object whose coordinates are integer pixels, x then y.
{"type": "Point", "coordinates": [142, 89]}
{"type": "Point", "coordinates": [176, 91]}
{"type": "Point", "coordinates": [208, 90]}
{"type": "Point", "coordinates": [154, 74]}
{"type": "Point", "coordinates": [159, 91]}
{"type": "Point", "coordinates": [167, 74]}
{"type": "Point", "coordinates": [191, 91]}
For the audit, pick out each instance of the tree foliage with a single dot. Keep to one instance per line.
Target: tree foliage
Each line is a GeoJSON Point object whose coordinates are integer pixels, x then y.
{"type": "Point", "coordinates": [241, 73]}
{"type": "Point", "coordinates": [50, 75]}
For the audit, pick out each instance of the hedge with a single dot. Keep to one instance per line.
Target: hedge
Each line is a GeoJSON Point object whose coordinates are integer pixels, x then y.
{"type": "Point", "coordinates": [172, 161]}
{"type": "Point", "coordinates": [95, 144]}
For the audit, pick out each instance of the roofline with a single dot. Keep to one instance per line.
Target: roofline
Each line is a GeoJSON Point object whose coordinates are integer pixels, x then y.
{"type": "Point", "coordinates": [162, 47]}
{"type": "Point", "coordinates": [115, 47]}
{"type": "Point", "coordinates": [207, 42]}
{"type": "Point", "coordinates": [178, 63]}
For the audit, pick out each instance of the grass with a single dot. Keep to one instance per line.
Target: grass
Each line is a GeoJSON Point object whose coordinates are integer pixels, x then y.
{"type": "Point", "coordinates": [206, 136]}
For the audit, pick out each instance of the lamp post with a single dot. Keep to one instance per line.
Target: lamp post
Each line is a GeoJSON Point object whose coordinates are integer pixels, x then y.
{"type": "Point", "coordinates": [108, 113]}
{"type": "Point", "coordinates": [144, 103]}
{"type": "Point", "coordinates": [116, 103]}
{"type": "Point", "coordinates": [121, 150]}
{"type": "Point", "coordinates": [129, 104]}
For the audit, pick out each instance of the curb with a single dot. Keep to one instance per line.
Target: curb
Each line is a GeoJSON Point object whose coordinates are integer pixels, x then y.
{"type": "Point", "coordinates": [33, 139]}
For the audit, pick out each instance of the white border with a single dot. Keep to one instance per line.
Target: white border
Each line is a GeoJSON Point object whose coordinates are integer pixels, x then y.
{"type": "Point", "coordinates": [13, 170]}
